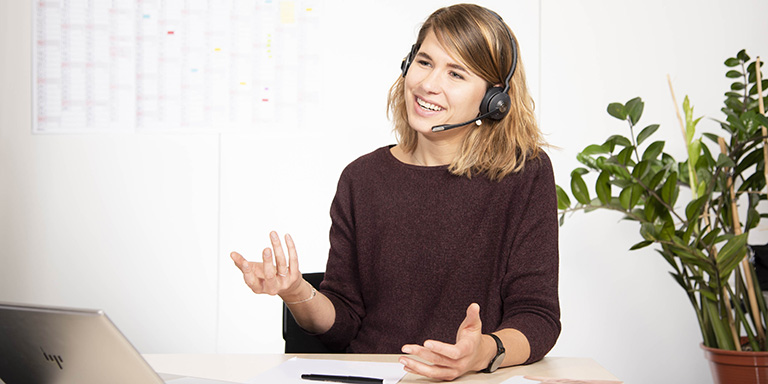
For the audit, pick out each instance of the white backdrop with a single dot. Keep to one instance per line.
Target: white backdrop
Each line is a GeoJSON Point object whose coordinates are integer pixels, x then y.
{"type": "Point", "coordinates": [141, 225]}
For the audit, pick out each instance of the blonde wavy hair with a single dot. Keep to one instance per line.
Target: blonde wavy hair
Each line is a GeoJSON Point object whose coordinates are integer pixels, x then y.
{"type": "Point", "coordinates": [479, 39]}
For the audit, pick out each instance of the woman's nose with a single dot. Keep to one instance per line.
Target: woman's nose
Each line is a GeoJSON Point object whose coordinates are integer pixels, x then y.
{"type": "Point", "coordinates": [432, 82]}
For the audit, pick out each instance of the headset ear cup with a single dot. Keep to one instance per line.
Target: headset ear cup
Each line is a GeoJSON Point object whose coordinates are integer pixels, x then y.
{"type": "Point", "coordinates": [408, 60]}
{"type": "Point", "coordinates": [497, 100]}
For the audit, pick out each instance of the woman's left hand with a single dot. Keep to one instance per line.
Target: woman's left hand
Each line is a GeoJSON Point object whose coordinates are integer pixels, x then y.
{"type": "Point", "coordinates": [449, 361]}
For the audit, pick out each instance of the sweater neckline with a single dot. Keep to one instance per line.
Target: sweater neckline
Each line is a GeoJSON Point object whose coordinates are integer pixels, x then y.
{"type": "Point", "coordinates": [392, 158]}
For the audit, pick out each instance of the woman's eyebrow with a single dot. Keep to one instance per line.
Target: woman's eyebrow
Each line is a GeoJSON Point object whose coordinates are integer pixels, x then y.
{"type": "Point", "coordinates": [450, 65]}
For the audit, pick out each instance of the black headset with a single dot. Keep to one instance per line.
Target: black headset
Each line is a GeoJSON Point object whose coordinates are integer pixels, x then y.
{"type": "Point", "coordinates": [496, 102]}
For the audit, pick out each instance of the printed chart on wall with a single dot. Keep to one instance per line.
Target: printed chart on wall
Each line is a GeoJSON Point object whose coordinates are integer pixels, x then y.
{"type": "Point", "coordinates": [174, 65]}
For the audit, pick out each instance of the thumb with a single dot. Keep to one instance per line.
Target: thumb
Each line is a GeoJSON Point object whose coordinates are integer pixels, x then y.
{"type": "Point", "coordinates": [472, 322]}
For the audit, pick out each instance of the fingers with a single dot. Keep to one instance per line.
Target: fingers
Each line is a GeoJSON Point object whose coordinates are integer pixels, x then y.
{"type": "Point", "coordinates": [451, 351]}
{"type": "Point", "coordinates": [445, 361]}
{"type": "Point", "coordinates": [247, 267]}
{"type": "Point", "coordinates": [271, 284]}
{"type": "Point", "coordinates": [293, 257]}
{"type": "Point", "coordinates": [240, 262]}
{"type": "Point", "coordinates": [252, 272]}
{"type": "Point", "coordinates": [275, 273]}
{"type": "Point", "coordinates": [436, 371]}
{"type": "Point", "coordinates": [282, 266]}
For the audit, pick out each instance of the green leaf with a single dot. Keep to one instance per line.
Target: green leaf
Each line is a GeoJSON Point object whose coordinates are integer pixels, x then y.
{"type": "Point", "coordinates": [732, 74]}
{"type": "Point", "coordinates": [618, 140]}
{"type": "Point", "coordinates": [647, 231]}
{"type": "Point", "coordinates": [694, 151]}
{"type": "Point", "coordinates": [579, 188]}
{"type": "Point", "coordinates": [748, 161]}
{"type": "Point", "coordinates": [634, 109]}
{"type": "Point", "coordinates": [690, 123]}
{"type": "Point", "coordinates": [580, 171]}
{"type": "Point", "coordinates": [702, 189]}
{"type": "Point", "coordinates": [641, 169]}
{"type": "Point", "coordinates": [731, 254]}
{"type": "Point", "coordinates": [563, 202]}
{"type": "Point", "coordinates": [724, 161]}
{"type": "Point", "coordinates": [625, 156]}
{"type": "Point", "coordinates": [753, 216]}
{"type": "Point", "coordinates": [709, 238]}
{"type": "Point", "coordinates": [637, 193]}
{"type": "Point", "coordinates": [753, 90]}
{"type": "Point", "coordinates": [625, 197]}
{"type": "Point", "coordinates": [657, 178]}
{"type": "Point", "coordinates": [646, 132]}
{"type": "Point", "coordinates": [737, 86]}
{"type": "Point", "coordinates": [641, 244]}
{"type": "Point", "coordinates": [711, 136]}
{"type": "Point", "coordinates": [617, 110]}
{"type": "Point", "coordinates": [595, 149]}
{"type": "Point", "coordinates": [752, 67]}
{"type": "Point", "coordinates": [653, 150]}
{"type": "Point", "coordinates": [668, 228]}
{"type": "Point", "coordinates": [603, 187]}
{"type": "Point", "coordinates": [736, 245]}
{"type": "Point", "coordinates": [709, 295]}
{"type": "Point", "coordinates": [694, 208]}
{"type": "Point", "coordinates": [732, 62]}
{"type": "Point", "coordinates": [586, 160]}
{"type": "Point", "coordinates": [651, 209]}
{"type": "Point", "coordinates": [742, 55]}
{"type": "Point", "coordinates": [670, 188]}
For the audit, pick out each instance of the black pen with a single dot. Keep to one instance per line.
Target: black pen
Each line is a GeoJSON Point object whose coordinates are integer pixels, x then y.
{"type": "Point", "coordinates": [342, 379]}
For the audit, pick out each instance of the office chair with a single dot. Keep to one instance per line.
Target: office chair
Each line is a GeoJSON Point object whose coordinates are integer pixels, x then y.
{"type": "Point", "coordinates": [296, 339]}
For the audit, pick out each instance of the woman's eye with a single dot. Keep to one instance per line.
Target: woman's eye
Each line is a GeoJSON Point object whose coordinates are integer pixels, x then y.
{"type": "Point", "coordinates": [424, 63]}
{"type": "Point", "coordinates": [456, 75]}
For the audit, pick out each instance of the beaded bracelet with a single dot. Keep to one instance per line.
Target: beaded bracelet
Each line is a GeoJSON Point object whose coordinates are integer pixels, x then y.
{"type": "Point", "coordinates": [311, 296]}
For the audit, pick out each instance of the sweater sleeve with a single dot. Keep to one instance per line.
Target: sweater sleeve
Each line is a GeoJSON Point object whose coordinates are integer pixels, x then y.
{"type": "Point", "coordinates": [530, 284]}
{"type": "Point", "coordinates": [342, 283]}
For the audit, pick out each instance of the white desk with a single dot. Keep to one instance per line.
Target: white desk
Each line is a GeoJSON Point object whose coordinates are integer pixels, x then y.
{"type": "Point", "coordinates": [241, 367]}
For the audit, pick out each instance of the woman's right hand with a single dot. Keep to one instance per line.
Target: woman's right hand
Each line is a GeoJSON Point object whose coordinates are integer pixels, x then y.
{"type": "Point", "coordinates": [273, 276]}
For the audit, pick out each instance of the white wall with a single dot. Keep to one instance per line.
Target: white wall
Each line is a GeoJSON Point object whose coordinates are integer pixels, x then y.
{"type": "Point", "coordinates": [141, 224]}
{"type": "Point", "coordinates": [622, 308]}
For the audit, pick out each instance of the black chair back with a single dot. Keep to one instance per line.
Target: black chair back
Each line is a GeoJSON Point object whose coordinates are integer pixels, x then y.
{"type": "Point", "coordinates": [296, 339]}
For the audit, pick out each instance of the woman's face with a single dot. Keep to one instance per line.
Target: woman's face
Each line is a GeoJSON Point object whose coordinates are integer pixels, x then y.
{"type": "Point", "coordinates": [439, 89]}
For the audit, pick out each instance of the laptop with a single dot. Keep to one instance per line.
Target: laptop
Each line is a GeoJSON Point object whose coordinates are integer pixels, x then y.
{"type": "Point", "coordinates": [47, 345]}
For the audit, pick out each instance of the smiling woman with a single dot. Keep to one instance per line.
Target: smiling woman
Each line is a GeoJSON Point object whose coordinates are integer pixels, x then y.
{"type": "Point", "coordinates": [439, 89]}
{"type": "Point", "coordinates": [444, 246]}
{"type": "Point", "coordinates": [472, 43]}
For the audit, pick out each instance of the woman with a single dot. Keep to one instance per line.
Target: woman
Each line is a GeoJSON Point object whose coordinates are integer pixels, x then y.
{"type": "Point", "coordinates": [444, 246]}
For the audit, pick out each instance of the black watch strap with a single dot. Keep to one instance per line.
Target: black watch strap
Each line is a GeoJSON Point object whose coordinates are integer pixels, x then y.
{"type": "Point", "coordinates": [499, 358]}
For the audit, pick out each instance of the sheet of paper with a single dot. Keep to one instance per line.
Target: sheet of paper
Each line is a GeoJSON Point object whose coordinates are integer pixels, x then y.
{"type": "Point", "coordinates": [290, 371]}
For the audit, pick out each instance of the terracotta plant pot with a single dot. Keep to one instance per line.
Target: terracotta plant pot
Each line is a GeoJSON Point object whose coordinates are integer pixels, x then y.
{"type": "Point", "coordinates": [734, 367]}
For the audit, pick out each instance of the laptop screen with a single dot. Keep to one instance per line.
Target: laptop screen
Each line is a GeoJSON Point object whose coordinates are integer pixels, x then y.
{"type": "Point", "coordinates": [48, 345]}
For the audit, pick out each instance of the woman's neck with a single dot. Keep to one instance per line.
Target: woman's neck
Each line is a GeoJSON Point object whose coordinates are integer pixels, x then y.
{"type": "Point", "coordinates": [438, 148]}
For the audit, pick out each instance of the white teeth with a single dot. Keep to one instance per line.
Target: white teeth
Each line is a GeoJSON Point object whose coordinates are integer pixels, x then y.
{"type": "Point", "coordinates": [428, 106]}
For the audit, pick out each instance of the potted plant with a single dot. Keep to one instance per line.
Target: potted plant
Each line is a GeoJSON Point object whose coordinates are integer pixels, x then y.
{"type": "Point", "coordinates": [701, 233]}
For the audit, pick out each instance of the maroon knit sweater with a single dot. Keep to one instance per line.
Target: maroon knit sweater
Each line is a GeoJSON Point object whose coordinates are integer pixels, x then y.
{"type": "Point", "coordinates": [412, 247]}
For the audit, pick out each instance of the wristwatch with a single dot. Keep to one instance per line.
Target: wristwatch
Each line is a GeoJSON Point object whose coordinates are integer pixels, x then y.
{"type": "Point", "coordinates": [499, 358]}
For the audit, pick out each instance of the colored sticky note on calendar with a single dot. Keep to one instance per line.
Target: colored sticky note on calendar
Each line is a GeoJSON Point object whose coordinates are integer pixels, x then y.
{"type": "Point", "coordinates": [287, 12]}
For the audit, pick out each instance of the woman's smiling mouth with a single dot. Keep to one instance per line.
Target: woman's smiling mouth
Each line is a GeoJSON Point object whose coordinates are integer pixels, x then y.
{"type": "Point", "coordinates": [428, 106]}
